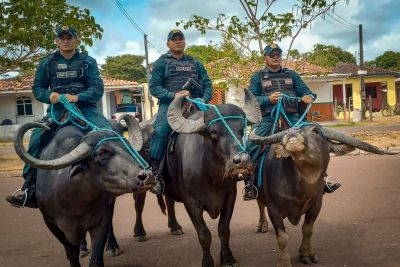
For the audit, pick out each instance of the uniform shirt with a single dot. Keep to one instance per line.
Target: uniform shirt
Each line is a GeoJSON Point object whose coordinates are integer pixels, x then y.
{"type": "Point", "coordinates": [158, 78]}
{"type": "Point", "coordinates": [299, 87]}
{"type": "Point", "coordinates": [94, 84]}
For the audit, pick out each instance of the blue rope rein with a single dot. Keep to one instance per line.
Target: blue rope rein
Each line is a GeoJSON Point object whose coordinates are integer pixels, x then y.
{"type": "Point", "coordinates": [204, 107]}
{"type": "Point", "coordinates": [277, 111]}
{"type": "Point", "coordinates": [74, 115]}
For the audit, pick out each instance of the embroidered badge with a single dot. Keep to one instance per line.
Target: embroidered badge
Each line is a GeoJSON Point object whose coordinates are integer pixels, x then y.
{"type": "Point", "coordinates": [62, 66]}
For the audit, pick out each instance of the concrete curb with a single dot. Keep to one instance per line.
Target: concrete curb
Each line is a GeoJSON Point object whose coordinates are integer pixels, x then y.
{"type": "Point", "coordinates": [358, 152]}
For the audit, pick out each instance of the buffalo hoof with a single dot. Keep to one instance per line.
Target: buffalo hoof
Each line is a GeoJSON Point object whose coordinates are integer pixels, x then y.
{"type": "Point", "coordinates": [177, 231]}
{"type": "Point", "coordinates": [309, 259]}
{"type": "Point", "coordinates": [141, 238]}
{"type": "Point", "coordinates": [83, 253]}
{"type": "Point", "coordinates": [113, 252]}
{"type": "Point", "coordinates": [261, 228]}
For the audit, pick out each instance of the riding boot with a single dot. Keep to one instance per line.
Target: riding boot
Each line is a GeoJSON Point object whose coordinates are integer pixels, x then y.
{"type": "Point", "coordinates": [250, 191]}
{"type": "Point", "coordinates": [330, 187]}
{"type": "Point", "coordinates": [159, 182]}
{"type": "Point", "coordinates": [28, 198]}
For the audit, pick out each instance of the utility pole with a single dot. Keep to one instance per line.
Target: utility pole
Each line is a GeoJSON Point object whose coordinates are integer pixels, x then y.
{"type": "Point", "coordinates": [361, 72]}
{"type": "Point", "coordinates": [146, 56]}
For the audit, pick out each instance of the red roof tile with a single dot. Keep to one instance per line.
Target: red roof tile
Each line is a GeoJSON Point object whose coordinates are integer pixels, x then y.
{"type": "Point", "coordinates": [25, 83]}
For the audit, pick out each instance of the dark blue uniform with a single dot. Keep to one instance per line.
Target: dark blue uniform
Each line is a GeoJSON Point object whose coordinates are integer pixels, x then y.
{"type": "Point", "coordinates": [78, 75]}
{"type": "Point", "coordinates": [168, 77]}
{"type": "Point", "coordinates": [264, 83]}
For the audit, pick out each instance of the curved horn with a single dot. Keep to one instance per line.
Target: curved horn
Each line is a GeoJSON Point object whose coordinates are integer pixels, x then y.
{"type": "Point", "coordinates": [349, 140]}
{"type": "Point", "coordinates": [178, 123]}
{"type": "Point", "coordinates": [79, 153]}
{"type": "Point", "coordinates": [272, 139]}
{"type": "Point", "coordinates": [251, 107]}
{"type": "Point", "coordinates": [135, 133]}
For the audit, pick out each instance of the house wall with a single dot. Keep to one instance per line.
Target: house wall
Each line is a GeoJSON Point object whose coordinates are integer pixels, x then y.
{"type": "Point", "coordinates": [355, 83]}
{"type": "Point", "coordinates": [8, 109]}
{"type": "Point", "coordinates": [324, 101]}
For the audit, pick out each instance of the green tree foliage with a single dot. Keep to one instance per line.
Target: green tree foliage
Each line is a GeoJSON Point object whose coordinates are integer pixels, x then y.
{"type": "Point", "coordinates": [27, 30]}
{"type": "Point", "coordinates": [388, 60]}
{"type": "Point", "coordinates": [328, 56]}
{"type": "Point", "coordinates": [126, 67]}
{"type": "Point", "coordinates": [261, 24]}
{"type": "Point", "coordinates": [209, 53]}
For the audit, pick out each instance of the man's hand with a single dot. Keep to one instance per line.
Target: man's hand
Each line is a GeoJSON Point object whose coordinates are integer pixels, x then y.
{"type": "Point", "coordinates": [274, 97]}
{"type": "Point", "coordinates": [54, 97]}
{"type": "Point", "coordinates": [307, 99]}
{"type": "Point", "coordinates": [182, 93]}
{"type": "Point", "coordinates": [71, 98]}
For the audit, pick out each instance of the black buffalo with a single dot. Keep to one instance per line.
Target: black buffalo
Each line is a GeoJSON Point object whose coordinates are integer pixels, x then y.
{"type": "Point", "coordinates": [293, 180]}
{"type": "Point", "coordinates": [76, 184]}
{"type": "Point", "coordinates": [201, 171]}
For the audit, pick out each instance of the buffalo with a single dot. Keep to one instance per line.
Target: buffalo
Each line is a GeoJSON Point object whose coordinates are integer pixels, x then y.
{"type": "Point", "coordinates": [79, 174]}
{"type": "Point", "coordinates": [293, 180]}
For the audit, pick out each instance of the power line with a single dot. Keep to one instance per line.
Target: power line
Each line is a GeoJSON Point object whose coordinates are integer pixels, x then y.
{"type": "Point", "coordinates": [348, 22]}
{"type": "Point", "coordinates": [345, 24]}
{"type": "Point", "coordinates": [126, 14]}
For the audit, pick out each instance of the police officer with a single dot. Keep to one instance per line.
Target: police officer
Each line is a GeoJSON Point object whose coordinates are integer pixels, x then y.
{"type": "Point", "coordinates": [267, 85]}
{"type": "Point", "coordinates": [169, 76]}
{"type": "Point", "coordinates": [74, 74]}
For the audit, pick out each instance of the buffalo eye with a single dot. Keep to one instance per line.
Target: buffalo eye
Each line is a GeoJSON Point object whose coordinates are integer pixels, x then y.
{"type": "Point", "coordinates": [214, 136]}
{"type": "Point", "coordinates": [316, 130]}
{"type": "Point", "coordinates": [103, 153]}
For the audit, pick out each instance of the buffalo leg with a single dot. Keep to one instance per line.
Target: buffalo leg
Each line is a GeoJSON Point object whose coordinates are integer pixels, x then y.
{"type": "Point", "coordinates": [307, 253]}
{"type": "Point", "coordinates": [112, 247]}
{"type": "Point", "coordinates": [99, 238]}
{"type": "Point", "coordinates": [139, 232]}
{"type": "Point", "coordinates": [224, 232]}
{"type": "Point", "coordinates": [262, 226]}
{"type": "Point", "coordinates": [203, 233]}
{"type": "Point", "coordinates": [71, 250]}
{"type": "Point", "coordinates": [282, 237]}
{"type": "Point", "coordinates": [173, 224]}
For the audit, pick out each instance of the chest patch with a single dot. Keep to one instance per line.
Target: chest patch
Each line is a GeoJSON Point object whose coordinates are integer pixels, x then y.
{"type": "Point", "coordinates": [67, 74]}
{"type": "Point", "coordinates": [183, 68]}
{"type": "Point", "coordinates": [62, 66]}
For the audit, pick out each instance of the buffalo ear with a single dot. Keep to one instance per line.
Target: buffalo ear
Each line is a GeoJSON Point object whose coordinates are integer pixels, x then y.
{"type": "Point", "coordinates": [280, 151]}
{"type": "Point", "coordinates": [340, 149]}
{"type": "Point", "coordinates": [76, 169]}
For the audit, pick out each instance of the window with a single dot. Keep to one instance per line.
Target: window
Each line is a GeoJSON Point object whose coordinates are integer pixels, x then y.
{"type": "Point", "coordinates": [24, 106]}
{"type": "Point", "coordinates": [370, 91]}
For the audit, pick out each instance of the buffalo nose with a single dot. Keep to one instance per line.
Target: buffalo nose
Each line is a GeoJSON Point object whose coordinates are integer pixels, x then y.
{"type": "Point", "coordinates": [142, 176]}
{"type": "Point", "coordinates": [237, 159]}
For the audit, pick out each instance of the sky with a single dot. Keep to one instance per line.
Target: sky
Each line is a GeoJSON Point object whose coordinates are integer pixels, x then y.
{"type": "Point", "coordinates": [380, 20]}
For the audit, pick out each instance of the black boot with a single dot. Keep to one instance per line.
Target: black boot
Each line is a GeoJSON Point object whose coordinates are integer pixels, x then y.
{"type": "Point", "coordinates": [250, 191]}
{"type": "Point", "coordinates": [27, 199]}
{"type": "Point", "coordinates": [331, 187]}
{"type": "Point", "coordinates": [159, 183]}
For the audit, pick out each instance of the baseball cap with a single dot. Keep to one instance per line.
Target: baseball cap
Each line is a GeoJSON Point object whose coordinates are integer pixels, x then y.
{"type": "Point", "coordinates": [270, 48]}
{"type": "Point", "coordinates": [175, 32]}
{"type": "Point", "coordinates": [60, 29]}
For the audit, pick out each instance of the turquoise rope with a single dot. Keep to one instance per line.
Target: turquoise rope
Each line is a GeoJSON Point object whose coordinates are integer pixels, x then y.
{"type": "Point", "coordinates": [74, 114]}
{"type": "Point", "coordinates": [204, 107]}
{"type": "Point", "coordinates": [276, 112]}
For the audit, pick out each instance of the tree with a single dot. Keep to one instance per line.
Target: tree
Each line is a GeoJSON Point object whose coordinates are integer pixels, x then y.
{"type": "Point", "coordinates": [328, 56]}
{"type": "Point", "coordinates": [126, 67]}
{"type": "Point", "coordinates": [262, 26]}
{"type": "Point", "coordinates": [388, 60]}
{"type": "Point", "coordinates": [209, 53]}
{"type": "Point", "coordinates": [27, 30]}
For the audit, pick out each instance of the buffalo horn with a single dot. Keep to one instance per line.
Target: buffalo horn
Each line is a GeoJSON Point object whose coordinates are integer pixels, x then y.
{"type": "Point", "coordinates": [179, 123]}
{"type": "Point", "coordinates": [79, 153]}
{"type": "Point", "coordinates": [272, 139]}
{"type": "Point", "coordinates": [251, 107]}
{"type": "Point", "coordinates": [354, 142]}
{"type": "Point", "coordinates": [135, 133]}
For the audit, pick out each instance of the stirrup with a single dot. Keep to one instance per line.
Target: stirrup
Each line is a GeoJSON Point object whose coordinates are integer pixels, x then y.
{"type": "Point", "coordinates": [327, 183]}
{"type": "Point", "coordinates": [25, 199]}
{"type": "Point", "coordinates": [255, 188]}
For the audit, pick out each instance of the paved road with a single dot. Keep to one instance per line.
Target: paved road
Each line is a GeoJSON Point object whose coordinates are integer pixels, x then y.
{"type": "Point", "coordinates": [358, 226]}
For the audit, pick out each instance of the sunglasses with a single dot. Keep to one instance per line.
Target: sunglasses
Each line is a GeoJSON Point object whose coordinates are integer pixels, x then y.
{"type": "Point", "coordinates": [275, 55]}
